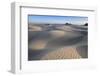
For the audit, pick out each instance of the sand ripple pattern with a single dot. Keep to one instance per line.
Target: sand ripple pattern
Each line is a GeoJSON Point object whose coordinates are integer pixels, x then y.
{"type": "Point", "coordinates": [62, 53]}
{"type": "Point", "coordinates": [50, 42]}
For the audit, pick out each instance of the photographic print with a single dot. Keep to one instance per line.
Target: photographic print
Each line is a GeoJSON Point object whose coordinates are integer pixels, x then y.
{"type": "Point", "coordinates": [51, 38]}
{"type": "Point", "coordinates": [57, 37]}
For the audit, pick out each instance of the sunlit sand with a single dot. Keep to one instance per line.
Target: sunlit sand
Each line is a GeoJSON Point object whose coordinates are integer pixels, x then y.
{"type": "Point", "coordinates": [62, 53]}
{"type": "Point", "coordinates": [57, 33]}
{"type": "Point", "coordinates": [65, 28]}
{"type": "Point", "coordinates": [35, 28]}
{"type": "Point", "coordinates": [37, 45]}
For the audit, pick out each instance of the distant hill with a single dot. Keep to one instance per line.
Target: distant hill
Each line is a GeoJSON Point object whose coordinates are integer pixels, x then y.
{"type": "Point", "coordinates": [86, 24]}
{"type": "Point", "coordinates": [68, 24]}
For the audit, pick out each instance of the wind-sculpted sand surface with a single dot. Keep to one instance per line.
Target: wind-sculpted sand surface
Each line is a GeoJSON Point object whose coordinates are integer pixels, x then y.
{"type": "Point", "coordinates": [62, 53]}
{"type": "Point", "coordinates": [57, 42]}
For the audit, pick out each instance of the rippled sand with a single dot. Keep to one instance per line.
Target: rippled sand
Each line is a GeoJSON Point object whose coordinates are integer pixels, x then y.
{"type": "Point", "coordinates": [62, 53]}
{"type": "Point", "coordinates": [63, 42]}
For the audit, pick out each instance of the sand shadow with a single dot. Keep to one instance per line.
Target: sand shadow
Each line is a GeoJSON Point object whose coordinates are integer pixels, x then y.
{"type": "Point", "coordinates": [83, 51]}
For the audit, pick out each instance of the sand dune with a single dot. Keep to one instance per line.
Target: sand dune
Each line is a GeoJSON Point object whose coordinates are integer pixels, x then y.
{"type": "Point", "coordinates": [57, 39]}
{"type": "Point", "coordinates": [59, 42]}
{"type": "Point", "coordinates": [62, 53]}
{"type": "Point", "coordinates": [82, 50]}
{"type": "Point", "coordinates": [37, 45]}
{"type": "Point", "coordinates": [65, 28]}
{"type": "Point", "coordinates": [57, 33]}
{"type": "Point", "coordinates": [34, 28]}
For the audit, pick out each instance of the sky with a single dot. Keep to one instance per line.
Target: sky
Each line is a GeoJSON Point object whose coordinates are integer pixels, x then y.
{"type": "Point", "coordinates": [43, 19]}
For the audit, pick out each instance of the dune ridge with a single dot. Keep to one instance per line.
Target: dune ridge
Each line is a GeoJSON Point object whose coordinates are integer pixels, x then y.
{"type": "Point", "coordinates": [50, 42]}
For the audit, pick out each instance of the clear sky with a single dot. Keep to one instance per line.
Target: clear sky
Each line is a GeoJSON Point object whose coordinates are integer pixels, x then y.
{"type": "Point", "coordinates": [41, 19]}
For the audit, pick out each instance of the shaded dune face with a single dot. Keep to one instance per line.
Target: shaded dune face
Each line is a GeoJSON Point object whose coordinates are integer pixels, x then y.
{"type": "Point", "coordinates": [82, 50]}
{"type": "Point", "coordinates": [36, 54]}
{"type": "Point", "coordinates": [38, 35]}
{"type": "Point", "coordinates": [59, 42]}
{"type": "Point", "coordinates": [80, 27]}
{"type": "Point", "coordinates": [58, 39]}
{"type": "Point", "coordinates": [68, 40]}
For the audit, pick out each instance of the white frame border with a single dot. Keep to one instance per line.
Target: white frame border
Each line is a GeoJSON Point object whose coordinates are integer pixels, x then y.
{"type": "Point", "coordinates": [16, 33]}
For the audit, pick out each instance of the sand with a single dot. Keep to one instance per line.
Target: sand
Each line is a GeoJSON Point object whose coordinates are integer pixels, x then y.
{"type": "Point", "coordinates": [35, 28]}
{"type": "Point", "coordinates": [61, 42]}
{"type": "Point", "coordinates": [38, 45]}
{"type": "Point", "coordinates": [65, 28]}
{"type": "Point", "coordinates": [57, 33]}
{"type": "Point", "coordinates": [62, 53]}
